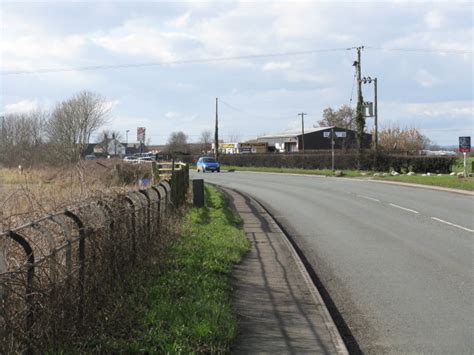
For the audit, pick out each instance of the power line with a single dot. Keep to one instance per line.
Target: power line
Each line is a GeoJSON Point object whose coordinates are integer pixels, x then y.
{"type": "Point", "coordinates": [421, 50]}
{"type": "Point", "coordinates": [243, 111]}
{"type": "Point", "coordinates": [174, 62]}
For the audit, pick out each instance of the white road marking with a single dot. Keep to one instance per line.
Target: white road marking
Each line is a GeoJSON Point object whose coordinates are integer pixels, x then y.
{"type": "Point", "coordinates": [369, 198]}
{"type": "Point", "coordinates": [403, 208]}
{"type": "Point", "coordinates": [452, 224]}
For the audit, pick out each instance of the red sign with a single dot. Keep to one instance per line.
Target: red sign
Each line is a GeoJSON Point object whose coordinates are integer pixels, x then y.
{"type": "Point", "coordinates": [141, 134]}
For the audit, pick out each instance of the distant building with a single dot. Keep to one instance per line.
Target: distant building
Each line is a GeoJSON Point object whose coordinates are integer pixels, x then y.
{"type": "Point", "coordinates": [242, 148]}
{"type": "Point", "coordinates": [314, 139]}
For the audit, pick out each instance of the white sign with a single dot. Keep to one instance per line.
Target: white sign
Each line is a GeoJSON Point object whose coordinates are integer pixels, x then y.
{"type": "Point", "coordinates": [338, 134]}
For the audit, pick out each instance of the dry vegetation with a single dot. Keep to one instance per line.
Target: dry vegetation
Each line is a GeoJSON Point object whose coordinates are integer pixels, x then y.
{"type": "Point", "coordinates": [34, 192]}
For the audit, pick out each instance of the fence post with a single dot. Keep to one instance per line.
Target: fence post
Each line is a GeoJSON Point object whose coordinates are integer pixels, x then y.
{"type": "Point", "coordinates": [82, 266]}
{"type": "Point", "coordinates": [133, 227]}
{"type": "Point", "coordinates": [148, 213]}
{"type": "Point", "coordinates": [30, 269]}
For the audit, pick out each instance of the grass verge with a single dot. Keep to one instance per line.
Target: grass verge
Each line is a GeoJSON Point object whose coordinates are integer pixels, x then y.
{"type": "Point", "coordinates": [444, 181]}
{"type": "Point", "coordinates": [325, 172]}
{"type": "Point", "coordinates": [186, 307]}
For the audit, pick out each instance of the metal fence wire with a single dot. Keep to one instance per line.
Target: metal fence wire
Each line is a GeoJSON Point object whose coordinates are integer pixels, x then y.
{"type": "Point", "coordinates": [57, 271]}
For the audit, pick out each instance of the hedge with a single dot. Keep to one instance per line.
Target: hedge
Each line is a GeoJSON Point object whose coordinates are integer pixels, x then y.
{"type": "Point", "coordinates": [346, 161]}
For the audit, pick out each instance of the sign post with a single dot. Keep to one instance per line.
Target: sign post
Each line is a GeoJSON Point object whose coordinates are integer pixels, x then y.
{"type": "Point", "coordinates": [464, 148]}
{"type": "Point", "coordinates": [141, 131]}
{"type": "Point", "coordinates": [334, 135]}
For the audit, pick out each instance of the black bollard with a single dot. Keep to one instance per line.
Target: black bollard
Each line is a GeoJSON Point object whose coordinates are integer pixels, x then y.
{"type": "Point", "coordinates": [198, 192]}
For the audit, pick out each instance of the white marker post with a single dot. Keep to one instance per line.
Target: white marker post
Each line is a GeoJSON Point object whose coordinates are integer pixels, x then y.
{"type": "Point", "coordinates": [465, 147]}
{"type": "Point", "coordinates": [465, 164]}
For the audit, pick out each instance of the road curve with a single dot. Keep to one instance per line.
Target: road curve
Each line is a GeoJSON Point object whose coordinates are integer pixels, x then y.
{"type": "Point", "coordinates": [397, 261]}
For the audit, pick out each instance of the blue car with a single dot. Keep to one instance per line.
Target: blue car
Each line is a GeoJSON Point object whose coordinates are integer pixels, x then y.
{"type": "Point", "coordinates": [208, 164]}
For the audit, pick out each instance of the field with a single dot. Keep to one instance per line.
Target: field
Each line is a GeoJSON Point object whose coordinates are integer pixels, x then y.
{"type": "Point", "coordinates": [33, 192]}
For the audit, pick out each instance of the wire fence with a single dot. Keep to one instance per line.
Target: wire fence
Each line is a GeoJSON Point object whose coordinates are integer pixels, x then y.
{"type": "Point", "coordinates": [57, 271]}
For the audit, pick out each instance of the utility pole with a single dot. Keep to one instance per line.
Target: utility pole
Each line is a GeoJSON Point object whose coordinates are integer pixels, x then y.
{"type": "Point", "coordinates": [359, 83]}
{"type": "Point", "coordinates": [216, 134]}
{"type": "Point", "coordinates": [302, 114]}
{"type": "Point", "coordinates": [360, 119]}
{"type": "Point", "coordinates": [375, 117]}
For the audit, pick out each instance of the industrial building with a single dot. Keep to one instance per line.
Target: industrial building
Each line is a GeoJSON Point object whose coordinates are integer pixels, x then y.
{"type": "Point", "coordinates": [314, 139]}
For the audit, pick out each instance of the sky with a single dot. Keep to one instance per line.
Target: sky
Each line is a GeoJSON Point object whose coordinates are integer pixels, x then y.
{"type": "Point", "coordinates": [298, 57]}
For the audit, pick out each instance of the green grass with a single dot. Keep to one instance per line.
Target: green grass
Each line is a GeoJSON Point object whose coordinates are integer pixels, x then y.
{"type": "Point", "coordinates": [187, 308]}
{"type": "Point", "coordinates": [459, 165]}
{"type": "Point", "coordinates": [444, 181]}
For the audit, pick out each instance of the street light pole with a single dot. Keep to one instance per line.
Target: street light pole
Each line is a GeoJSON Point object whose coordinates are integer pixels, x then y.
{"type": "Point", "coordinates": [332, 147]}
{"type": "Point", "coordinates": [302, 130]}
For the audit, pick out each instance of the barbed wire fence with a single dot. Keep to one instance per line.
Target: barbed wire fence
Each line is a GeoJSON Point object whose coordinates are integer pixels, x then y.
{"type": "Point", "coordinates": [56, 272]}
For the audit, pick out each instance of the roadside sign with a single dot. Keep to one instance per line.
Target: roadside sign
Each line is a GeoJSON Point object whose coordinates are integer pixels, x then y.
{"type": "Point", "coordinates": [141, 134]}
{"type": "Point", "coordinates": [337, 134]}
{"type": "Point", "coordinates": [464, 144]}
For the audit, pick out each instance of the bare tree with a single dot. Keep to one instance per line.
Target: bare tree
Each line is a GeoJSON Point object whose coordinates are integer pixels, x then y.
{"type": "Point", "coordinates": [402, 140]}
{"type": "Point", "coordinates": [109, 140]}
{"type": "Point", "coordinates": [21, 137]}
{"type": "Point", "coordinates": [344, 117]}
{"type": "Point", "coordinates": [234, 137]}
{"type": "Point", "coordinates": [178, 143]}
{"type": "Point", "coordinates": [72, 123]}
{"type": "Point", "coordinates": [205, 140]}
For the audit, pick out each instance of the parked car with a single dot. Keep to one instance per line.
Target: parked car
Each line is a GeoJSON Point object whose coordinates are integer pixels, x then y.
{"type": "Point", "coordinates": [90, 157]}
{"type": "Point", "coordinates": [129, 159]}
{"type": "Point", "coordinates": [208, 164]}
{"type": "Point", "coordinates": [145, 159]}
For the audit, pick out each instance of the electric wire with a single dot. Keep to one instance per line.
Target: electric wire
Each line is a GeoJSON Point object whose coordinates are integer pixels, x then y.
{"type": "Point", "coordinates": [173, 62]}
{"type": "Point", "coordinates": [222, 59]}
{"type": "Point", "coordinates": [421, 50]}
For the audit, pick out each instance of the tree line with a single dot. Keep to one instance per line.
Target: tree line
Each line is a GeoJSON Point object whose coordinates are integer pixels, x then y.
{"type": "Point", "coordinates": [391, 139]}
{"type": "Point", "coordinates": [62, 135]}
{"type": "Point", "coordinates": [56, 137]}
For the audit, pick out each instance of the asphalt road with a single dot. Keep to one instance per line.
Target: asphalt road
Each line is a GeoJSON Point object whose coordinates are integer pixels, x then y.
{"type": "Point", "coordinates": [397, 261]}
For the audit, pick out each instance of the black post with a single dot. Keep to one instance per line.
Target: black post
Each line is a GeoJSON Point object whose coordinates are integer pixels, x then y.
{"type": "Point", "coordinates": [198, 193]}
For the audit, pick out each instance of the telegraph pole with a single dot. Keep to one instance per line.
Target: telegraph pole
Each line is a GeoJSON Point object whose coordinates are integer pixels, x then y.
{"type": "Point", "coordinates": [360, 119]}
{"type": "Point", "coordinates": [302, 114]}
{"type": "Point", "coordinates": [375, 116]}
{"type": "Point", "coordinates": [359, 83]}
{"type": "Point", "coordinates": [216, 134]}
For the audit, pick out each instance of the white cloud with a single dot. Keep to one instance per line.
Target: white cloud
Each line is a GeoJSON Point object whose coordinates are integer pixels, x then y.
{"type": "Point", "coordinates": [23, 106]}
{"type": "Point", "coordinates": [448, 40]}
{"type": "Point", "coordinates": [270, 66]}
{"type": "Point", "coordinates": [434, 19]}
{"type": "Point", "coordinates": [180, 21]}
{"type": "Point", "coordinates": [171, 114]}
{"type": "Point", "coordinates": [28, 47]}
{"type": "Point", "coordinates": [459, 110]}
{"type": "Point", "coordinates": [425, 78]}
